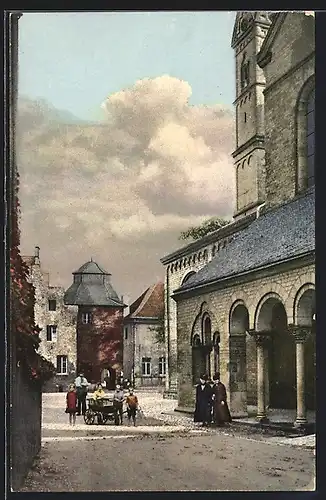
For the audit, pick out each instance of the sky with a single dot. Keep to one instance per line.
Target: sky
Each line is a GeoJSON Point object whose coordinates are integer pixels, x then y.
{"type": "Point", "coordinates": [125, 134]}
{"type": "Point", "coordinates": [74, 60]}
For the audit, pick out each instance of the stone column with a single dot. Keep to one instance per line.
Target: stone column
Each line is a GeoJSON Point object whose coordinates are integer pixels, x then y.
{"type": "Point", "coordinates": [300, 335]}
{"type": "Point", "coordinates": [261, 343]}
{"type": "Point", "coordinates": [212, 363]}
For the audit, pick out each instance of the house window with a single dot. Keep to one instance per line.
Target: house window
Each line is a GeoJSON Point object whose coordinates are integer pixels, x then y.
{"type": "Point", "coordinates": [162, 366]}
{"type": "Point", "coordinates": [86, 318]}
{"type": "Point", "coordinates": [310, 124]}
{"type": "Point", "coordinates": [126, 333]}
{"type": "Point", "coordinates": [51, 333]}
{"type": "Point", "coordinates": [146, 366]}
{"type": "Point", "coordinates": [52, 305]}
{"type": "Point", "coordinates": [62, 365]}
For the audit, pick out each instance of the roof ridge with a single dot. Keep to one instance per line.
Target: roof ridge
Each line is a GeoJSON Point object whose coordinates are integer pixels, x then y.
{"type": "Point", "coordinates": [146, 298]}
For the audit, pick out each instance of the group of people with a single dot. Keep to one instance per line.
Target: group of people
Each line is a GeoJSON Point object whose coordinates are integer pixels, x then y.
{"type": "Point", "coordinates": [211, 402]}
{"type": "Point", "coordinates": [77, 393]}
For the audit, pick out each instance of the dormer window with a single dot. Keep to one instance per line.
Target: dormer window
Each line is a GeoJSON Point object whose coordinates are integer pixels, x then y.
{"type": "Point", "coordinates": [86, 318]}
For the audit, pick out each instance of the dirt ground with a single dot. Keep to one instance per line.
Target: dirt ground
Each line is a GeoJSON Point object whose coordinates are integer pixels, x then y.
{"type": "Point", "coordinates": [211, 462]}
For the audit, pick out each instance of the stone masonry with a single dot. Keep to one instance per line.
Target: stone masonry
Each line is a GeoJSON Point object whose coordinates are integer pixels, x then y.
{"type": "Point", "coordinates": [285, 285]}
{"type": "Point", "coordinates": [63, 318]}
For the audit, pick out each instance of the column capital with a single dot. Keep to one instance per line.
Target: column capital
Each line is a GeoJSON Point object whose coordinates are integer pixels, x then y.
{"type": "Point", "coordinates": [300, 332]}
{"type": "Point", "coordinates": [262, 337]}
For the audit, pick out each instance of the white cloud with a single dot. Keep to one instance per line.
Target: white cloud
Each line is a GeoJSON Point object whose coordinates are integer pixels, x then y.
{"type": "Point", "coordinates": [156, 167]}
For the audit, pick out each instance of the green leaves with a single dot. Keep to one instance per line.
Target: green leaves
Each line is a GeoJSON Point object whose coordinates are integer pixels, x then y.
{"type": "Point", "coordinates": [207, 227]}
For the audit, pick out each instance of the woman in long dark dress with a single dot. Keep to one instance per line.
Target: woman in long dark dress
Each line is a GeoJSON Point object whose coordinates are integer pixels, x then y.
{"type": "Point", "coordinates": [203, 402]}
{"type": "Point", "coordinates": [221, 413]}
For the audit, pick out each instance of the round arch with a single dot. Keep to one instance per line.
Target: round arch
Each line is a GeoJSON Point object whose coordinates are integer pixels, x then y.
{"type": "Point", "coordinates": [264, 305]}
{"type": "Point", "coordinates": [279, 352]}
{"type": "Point", "coordinates": [238, 317]}
{"type": "Point", "coordinates": [301, 129]}
{"type": "Point", "coordinates": [187, 276]}
{"type": "Point", "coordinates": [304, 306]}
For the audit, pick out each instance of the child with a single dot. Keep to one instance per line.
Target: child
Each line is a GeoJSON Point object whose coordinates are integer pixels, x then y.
{"type": "Point", "coordinates": [98, 396]}
{"type": "Point", "coordinates": [132, 405]}
{"type": "Point", "coordinates": [99, 393]}
{"type": "Point", "coordinates": [71, 399]}
{"type": "Point", "coordinates": [118, 398]}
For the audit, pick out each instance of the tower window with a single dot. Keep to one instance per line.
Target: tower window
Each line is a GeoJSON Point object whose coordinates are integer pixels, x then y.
{"type": "Point", "coordinates": [62, 365]}
{"type": "Point", "coordinates": [86, 318]}
{"type": "Point", "coordinates": [245, 117]}
{"type": "Point", "coordinates": [245, 71]}
{"type": "Point", "coordinates": [51, 333]}
{"type": "Point", "coordinates": [52, 305]}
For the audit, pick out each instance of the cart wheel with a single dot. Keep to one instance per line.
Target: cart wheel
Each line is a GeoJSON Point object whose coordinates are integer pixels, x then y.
{"type": "Point", "coordinates": [89, 417]}
{"type": "Point", "coordinates": [105, 419]}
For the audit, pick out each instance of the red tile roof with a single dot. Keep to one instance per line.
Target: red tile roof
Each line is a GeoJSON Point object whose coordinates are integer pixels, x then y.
{"type": "Point", "coordinates": [150, 304]}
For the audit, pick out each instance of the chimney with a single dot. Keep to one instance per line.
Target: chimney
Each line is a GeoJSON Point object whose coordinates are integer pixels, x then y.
{"type": "Point", "coordinates": [37, 255]}
{"type": "Point", "coordinates": [121, 298]}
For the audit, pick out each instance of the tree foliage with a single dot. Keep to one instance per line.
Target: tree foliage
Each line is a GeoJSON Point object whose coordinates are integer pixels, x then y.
{"type": "Point", "coordinates": [207, 227]}
{"type": "Point", "coordinates": [158, 331]}
{"type": "Point", "coordinates": [22, 301]}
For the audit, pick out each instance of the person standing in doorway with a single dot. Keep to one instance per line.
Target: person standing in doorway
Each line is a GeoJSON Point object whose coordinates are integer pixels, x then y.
{"type": "Point", "coordinates": [221, 413]}
{"type": "Point", "coordinates": [81, 384]}
{"type": "Point", "coordinates": [132, 405]}
{"type": "Point", "coordinates": [203, 401]}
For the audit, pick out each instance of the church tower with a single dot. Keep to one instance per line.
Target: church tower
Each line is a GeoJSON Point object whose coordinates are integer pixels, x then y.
{"type": "Point", "coordinates": [249, 156]}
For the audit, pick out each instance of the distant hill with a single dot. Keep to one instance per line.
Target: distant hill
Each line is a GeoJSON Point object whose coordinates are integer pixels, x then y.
{"type": "Point", "coordinates": [44, 113]}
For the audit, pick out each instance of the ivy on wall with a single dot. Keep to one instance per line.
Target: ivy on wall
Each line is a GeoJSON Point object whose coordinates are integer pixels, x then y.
{"type": "Point", "coordinates": [22, 301]}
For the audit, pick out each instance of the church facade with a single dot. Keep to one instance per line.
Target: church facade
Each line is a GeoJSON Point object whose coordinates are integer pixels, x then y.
{"type": "Point", "coordinates": [248, 309]}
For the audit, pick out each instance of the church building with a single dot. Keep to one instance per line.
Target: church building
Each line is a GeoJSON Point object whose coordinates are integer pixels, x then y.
{"type": "Point", "coordinates": [242, 299]}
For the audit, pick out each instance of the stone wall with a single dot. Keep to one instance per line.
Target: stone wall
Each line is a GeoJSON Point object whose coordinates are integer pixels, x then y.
{"type": "Point", "coordinates": [64, 318]}
{"type": "Point", "coordinates": [141, 343]}
{"type": "Point", "coordinates": [291, 66]}
{"type": "Point", "coordinates": [25, 425]}
{"type": "Point", "coordinates": [100, 343]}
{"type": "Point", "coordinates": [175, 274]}
{"type": "Point", "coordinates": [218, 305]}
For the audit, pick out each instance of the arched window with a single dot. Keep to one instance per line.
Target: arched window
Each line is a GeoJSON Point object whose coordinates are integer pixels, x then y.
{"type": "Point", "coordinates": [244, 71]}
{"type": "Point", "coordinates": [310, 124]}
{"type": "Point", "coordinates": [305, 118]}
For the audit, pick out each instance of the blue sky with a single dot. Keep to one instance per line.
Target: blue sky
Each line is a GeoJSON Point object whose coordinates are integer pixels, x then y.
{"type": "Point", "coordinates": [75, 60]}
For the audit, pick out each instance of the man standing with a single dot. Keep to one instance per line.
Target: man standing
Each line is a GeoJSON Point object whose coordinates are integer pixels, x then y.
{"type": "Point", "coordinates": [203, 401]}
{"type": "Point", "coordinates": [118, 399]}
{"type": "Point", "coordinates": [81, 384]}
{"type": "Point", "coordinates": [221, 413]}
